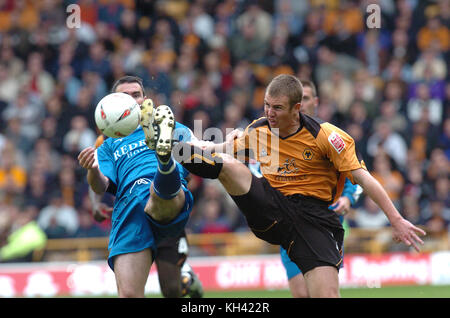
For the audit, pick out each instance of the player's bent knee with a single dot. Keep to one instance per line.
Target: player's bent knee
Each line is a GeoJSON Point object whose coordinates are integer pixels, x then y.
{"type": "Point", "coordinates": [164, 211]}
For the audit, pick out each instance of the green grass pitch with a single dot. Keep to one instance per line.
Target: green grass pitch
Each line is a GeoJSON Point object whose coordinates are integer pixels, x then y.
{"type": "Point", "coordinates": [424, 291]}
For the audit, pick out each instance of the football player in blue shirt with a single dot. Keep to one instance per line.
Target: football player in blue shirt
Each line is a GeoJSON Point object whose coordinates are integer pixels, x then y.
{"type": "Point", "coordinates": [152, 202]}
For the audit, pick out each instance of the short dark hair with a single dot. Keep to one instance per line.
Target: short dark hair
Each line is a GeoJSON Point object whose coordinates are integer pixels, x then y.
{"type": "Point", "coordinates": [128, 79]}
{"type": "Point", "coordinates": [286, 85]}
{"type": "Point", "coordinates": [308, 83]}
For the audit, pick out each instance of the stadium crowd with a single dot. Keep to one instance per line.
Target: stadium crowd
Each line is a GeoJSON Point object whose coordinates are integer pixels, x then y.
{"type": "Point", "coordinates": [210, 60]}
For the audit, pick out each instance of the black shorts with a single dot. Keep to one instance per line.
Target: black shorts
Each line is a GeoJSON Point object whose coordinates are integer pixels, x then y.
{"type": "Point", "coordinates": [311, 234]}
{"type": "Point", "coordinates": [173, 249]}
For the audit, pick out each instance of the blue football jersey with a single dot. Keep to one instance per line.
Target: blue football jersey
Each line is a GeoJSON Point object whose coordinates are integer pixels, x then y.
{"type": "Point", "coordinates": [125, 160]}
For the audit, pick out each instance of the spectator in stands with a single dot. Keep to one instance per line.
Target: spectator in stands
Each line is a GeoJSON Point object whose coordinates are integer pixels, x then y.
{"type": "Point", "coordinates": [15, 64]}
{"type": "Point", "coordinates": [79, 136]}
{"type": "Point", "coordinates": [373, 50]}
{"type": "Point", "coordinates": [111, 12]}
{"type": "Point", "coordinates": [423, 105]}
{"type": "Point", "coordinates": [185, 74]}
{"type": "Point", "coordinates": [433, 34]}
{"type": "Point", "coordinates": [338, 89]}
{"type": "Point", "coordinates": [438, 165]}
{"type": "Point", "coordinates": [233, 118]}
{"type": "Point", "coordinates": [72, 192]}
{"type": "Point", "coordinates": [444, 138]}
{"type": "Point", "coordinates": [394, 91]}
{"type": "Point", "coordinates": [431, 64]}
{"type": "Point", "coordinates": [391, 179]}
{"type": "Point", "coordinates": [329, 60]}
{"type": "Point", "coordinates": [25, 237]}
{"type": "Point", "coordinates": [291, 14]}
{"type": "Point", "coordinates": [411, 209]}
{"type": "Point", "coordinates": [13, 175]}
{"type": "Point", "coordinates": [392, 143]}
{"type": "Point", "coordinates": [36, 191]}
{"type": "Point", "coordinates": [58, 214]}
{"type": "Point", "coordinates": [437, 220]}
{"type": "Point", "coordinates": [43, 150]}
{"type": "Point", "coordinates": [158, 79]}
{"type": "Point", "coordinates": [29, 110]}
{"type": "Point", "coordinates": [389, 113]}
{"type": "Point", "coordinates": [366, 90]}
{"type": "Point", "coordinates": [39, 81]}
{"type": "Point", "coordinates": [88, 227]}
{"type": "Point", "coordinates": [252, 38]}
{"type": "Point", "coordinates": [71, 83]}
{"type": "Point", "coordinates": [442, 191]}
{"type": "Point", "coordinates": [415, 187]}
{"type": "Point", "coordinates": [422, 138]}
{"type": "Point", "coordinates": [9, 86]}
{"type": "Point", "coordinates": [370, 216]}
{"type": "Point", "coordinates": [128, 27]}
{"type": "Point", "coordinates": [97, 84]}
{"type": "Point", "coordinates": [97, 61]}
{"type": "Point", "coordinates": [397, 70]}
{"type": "Point", "coordinates": [213, 220]}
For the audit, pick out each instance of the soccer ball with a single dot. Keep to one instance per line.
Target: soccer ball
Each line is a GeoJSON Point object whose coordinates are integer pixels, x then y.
{"type": "Point", "coordinates": [117, 115]}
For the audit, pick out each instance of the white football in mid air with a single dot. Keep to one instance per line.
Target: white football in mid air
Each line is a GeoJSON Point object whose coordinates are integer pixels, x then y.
{"type": "Point", "coordinates": [117, 115]}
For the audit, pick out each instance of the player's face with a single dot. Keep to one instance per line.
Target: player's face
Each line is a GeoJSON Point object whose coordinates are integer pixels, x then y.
{"type": "Point", "coordinates": [132, 89]}
{"type": "Point", "coordinates": [309, 102]}
{"type": "Point", "coordinates": [280, 115]}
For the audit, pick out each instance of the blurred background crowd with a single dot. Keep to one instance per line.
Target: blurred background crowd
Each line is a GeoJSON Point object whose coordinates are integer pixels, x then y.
{"type": "Point", "coordinates": [210, 60]}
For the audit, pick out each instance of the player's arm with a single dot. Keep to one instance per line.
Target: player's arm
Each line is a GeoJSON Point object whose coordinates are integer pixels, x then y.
{"type": "Point", "coordinates": [97, 181]}
{"type": "Point", "coordinates": [350, 195]}
{"type": "Point", "coordinates": [403, 230]}
{"type": "Point", "coordinates": [100, 211]}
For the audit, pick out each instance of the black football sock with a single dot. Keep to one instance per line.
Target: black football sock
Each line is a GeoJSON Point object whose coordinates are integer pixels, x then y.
{"type": "Point", "coordinates": [195, 160]}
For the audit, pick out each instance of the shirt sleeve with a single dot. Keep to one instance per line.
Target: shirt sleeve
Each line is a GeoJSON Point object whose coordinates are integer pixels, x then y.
{"type": "Point", "coordinates": [351, 191]}
{"type": "Point", "coordinates": [183, 133]}
{"type": "Point", "coordinates": [339, 148]}
{"type": "Point", "coordinates": [106, 162]}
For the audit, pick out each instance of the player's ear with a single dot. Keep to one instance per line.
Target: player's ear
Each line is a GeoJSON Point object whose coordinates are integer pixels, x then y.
{"type": "Point", "coordinates": [297, 107]}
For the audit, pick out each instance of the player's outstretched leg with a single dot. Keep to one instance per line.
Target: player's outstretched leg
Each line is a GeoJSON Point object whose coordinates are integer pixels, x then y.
{"type": "Point", "coordinates": [201, 163]}
{"type": "Point", "coordinates": [232, 174]}
{"type": "Point", "coordinates": [166, 199]}
{"type": "Point", "coordinates": [167, 182]}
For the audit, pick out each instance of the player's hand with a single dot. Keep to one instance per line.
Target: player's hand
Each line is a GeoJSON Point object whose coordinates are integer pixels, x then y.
{"type": "Point", "coordinates": [236, 133]}
{"type": "Point", "coordinates": [86, 158]}
{"type": "Point", "coordinates": [404, 231]}
{"type": "Point", "coordinates": [342, 205]}
{"type": "Point", "coordinates": [103, 212]}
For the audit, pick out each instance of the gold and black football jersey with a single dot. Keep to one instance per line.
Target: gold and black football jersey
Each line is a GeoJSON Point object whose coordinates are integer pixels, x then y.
{"type": "Point", "coordinates": [313, 161]}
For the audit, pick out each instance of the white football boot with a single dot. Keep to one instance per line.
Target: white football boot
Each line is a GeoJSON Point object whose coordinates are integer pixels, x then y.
{"type": "Point", "coordinates": [164, 120]}
{"type": "Point", "coordinates": [148, 123]}
{"type": "Point", "coordinates": [190, 283]}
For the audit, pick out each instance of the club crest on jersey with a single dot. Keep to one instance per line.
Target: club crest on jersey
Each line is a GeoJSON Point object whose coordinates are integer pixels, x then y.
{"type": "Point", "coordinates": [308, 154]}
{"type": "Point", "coordinates": [336, 141]}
